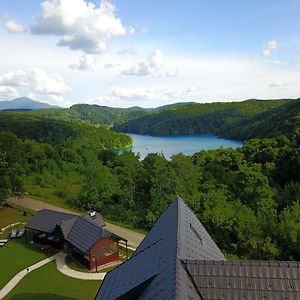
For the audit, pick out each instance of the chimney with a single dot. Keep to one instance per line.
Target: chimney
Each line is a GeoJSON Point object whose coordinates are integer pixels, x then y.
{"type": "Point", "coordinates": [92, 214]}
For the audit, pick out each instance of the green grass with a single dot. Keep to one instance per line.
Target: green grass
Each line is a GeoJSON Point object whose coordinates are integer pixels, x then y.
{"type": "Point", "coordinates": [47, 283]}
{"type": "Point", "coordinates": [128, 226]}
{"type": "Point", "coordinates": [123, 252]}
{"type": "Point", "coordinates": [73, 264]}
{"type": "Point", "coordinates": [11, 214]}
{"type": "Point", "coordinates": [57, 191]}
{"type": "Point", "coordinates": [16, 256]}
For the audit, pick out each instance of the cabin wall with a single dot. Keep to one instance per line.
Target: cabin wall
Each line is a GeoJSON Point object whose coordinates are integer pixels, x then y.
{"type": "Point", "coordinates": [104, 252]}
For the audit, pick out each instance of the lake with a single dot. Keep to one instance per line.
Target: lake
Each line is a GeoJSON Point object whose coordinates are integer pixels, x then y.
{"type": "Point", "coordinates": [187, 144]}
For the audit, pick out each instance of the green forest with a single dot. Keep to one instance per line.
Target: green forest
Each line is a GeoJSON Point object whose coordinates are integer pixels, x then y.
{"type": "Point", "coordinates": [238, 120]}
{"type": "Point", "coordinates": [248, 198]}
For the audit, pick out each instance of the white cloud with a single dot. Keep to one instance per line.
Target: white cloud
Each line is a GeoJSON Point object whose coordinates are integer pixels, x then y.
{"type": "Point", "coordinates": [37, 80]}
{"type": "Point", "coordinates": [146, 97]}
{"type": "Point", "coordinates": [128, 50]}
{"type": "Point", "coordinates": [13, 27]}
{"type": "Point", "coordinates": [152, 66]}
{"type": "Point", "coordinates": [125, 97]}
{"type": "Point", "coordinates": [131, 94]}
{"type": "Point", "coordinates": [110, 66]}
{"type": "Point", "coordinates": [191, 89]}
{"type": "Point", "coordinates": [86, 62]}
{"type": "Point", "coordinates": [8, 92]}
{"type": "Point", "coordinates": [277, 84]}
{"type": "Point", "coordinates": [32, 96]}
{"type": "Point", "coordinates": [269, 48]}
{"type": "Point", "coordinates": [57, 98]}
{"type": "Point", "coordinates": [172, 73]}
{"type": "Point", "coordinates": [80, 25]}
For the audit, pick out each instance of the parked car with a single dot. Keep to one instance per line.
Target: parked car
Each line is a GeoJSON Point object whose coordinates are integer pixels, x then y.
{"type": "Point", "coordinates": [21, 233]}
{"type": "Point", "coordinates": [13, 234]}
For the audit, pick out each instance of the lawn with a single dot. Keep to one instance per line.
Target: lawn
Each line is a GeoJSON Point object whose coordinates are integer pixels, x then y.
{"type": "Point", "coordinates": [16, 256]}
{"type": "Point", "coordinates": [75, 265]}
{"type": "Point", "coordinates": [11, 214]}
{"type": "Point", "coordinates": [47, 283]}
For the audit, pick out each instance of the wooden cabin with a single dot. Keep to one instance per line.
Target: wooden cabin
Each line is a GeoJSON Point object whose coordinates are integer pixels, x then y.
{"type": "Point", "coordinates": [84, 237]}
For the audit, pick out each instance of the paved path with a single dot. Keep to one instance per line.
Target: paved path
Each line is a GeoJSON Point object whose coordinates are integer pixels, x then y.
{"type": "Point", "coordinates": [17, 278]}
{"type": "Point", "coordinates": [134, 238]}
{"type": "Point", "coordinates": [63, 268]}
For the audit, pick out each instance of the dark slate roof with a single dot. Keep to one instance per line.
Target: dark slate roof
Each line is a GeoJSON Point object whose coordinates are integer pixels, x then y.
{"type": "Point", "coordinates": [84, 234]}
{"type": "Point", "coordinates": [66, 226]}
{"type": "Point", "coordinates": [97, 219]}
{"type": "Point", "coordinates": [245, 279]}
{"type": "Point", "coordinates": [179, 260]}
{"type": "Point", "coordinates": [47, 220]}
{"type": "Point", "coordinates": [156, 269]}
{"type": "Point", "coordinates": [81, 231]}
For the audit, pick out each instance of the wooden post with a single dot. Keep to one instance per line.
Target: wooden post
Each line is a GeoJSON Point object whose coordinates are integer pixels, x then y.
{"type": "Point", "coordinates": [25, 235]}
{"type": "Point", "coordinates": [126, 251]}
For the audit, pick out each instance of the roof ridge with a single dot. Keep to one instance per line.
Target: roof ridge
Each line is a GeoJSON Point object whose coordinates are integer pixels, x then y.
{"type": "Point", "coordinates": [179, 264]}
{"type": "Point", "coordinates": [76, 217]}
{"type": "Point", "coordinates": [87, 220]}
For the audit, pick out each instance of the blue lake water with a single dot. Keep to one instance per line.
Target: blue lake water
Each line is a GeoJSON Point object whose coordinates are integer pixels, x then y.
{"type": "Point", "coordinates": [187, 144]}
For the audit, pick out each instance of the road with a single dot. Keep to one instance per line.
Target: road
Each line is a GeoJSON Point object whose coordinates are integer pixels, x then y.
{"type": "Point", "coordinates": [134, 238]}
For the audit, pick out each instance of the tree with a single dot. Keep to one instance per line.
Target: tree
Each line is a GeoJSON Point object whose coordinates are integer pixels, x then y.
{"type": "Point", "coordinates": [289, 232]}
{"type": "Point", "coordinates": [10, 182]}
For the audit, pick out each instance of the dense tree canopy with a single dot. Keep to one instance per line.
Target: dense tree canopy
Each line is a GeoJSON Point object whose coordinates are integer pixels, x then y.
{"type": "Point", "coordinates": [247, 198]}
{"type": "Point", "coordinates": [239, 120]}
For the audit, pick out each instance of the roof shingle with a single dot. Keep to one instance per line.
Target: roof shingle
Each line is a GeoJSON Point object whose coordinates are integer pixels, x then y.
{"type": "Point", "coordinates": [179, 260]}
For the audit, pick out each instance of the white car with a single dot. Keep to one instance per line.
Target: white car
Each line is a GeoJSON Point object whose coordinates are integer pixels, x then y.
{"type": "Point", "coordinates": [13, 234]}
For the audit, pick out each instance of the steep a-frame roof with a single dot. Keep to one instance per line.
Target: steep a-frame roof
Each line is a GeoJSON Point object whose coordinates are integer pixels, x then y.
{"type": "Point", "coordinates": [156, 270]}
{"type": "Point", "coordinates": [179, 260]}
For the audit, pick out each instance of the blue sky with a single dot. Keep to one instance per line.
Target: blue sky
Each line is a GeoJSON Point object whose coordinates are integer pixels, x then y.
{"type": "Point", "coordinates": [149, 53]}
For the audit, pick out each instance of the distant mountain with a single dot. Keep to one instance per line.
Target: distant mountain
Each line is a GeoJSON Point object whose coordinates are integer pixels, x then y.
{"type": "Point", "coordinates": [24, 103]}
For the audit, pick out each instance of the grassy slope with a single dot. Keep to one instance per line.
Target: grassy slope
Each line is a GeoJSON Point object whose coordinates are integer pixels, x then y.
{"type": "Point", "coordinates": [48, 283]}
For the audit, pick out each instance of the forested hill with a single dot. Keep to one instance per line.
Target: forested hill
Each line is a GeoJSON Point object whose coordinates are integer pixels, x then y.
{"type": "Point", "coordinates": [107, 115]}
{"type": "Point", "coordinates": [283, 119]}
{"type": "Point", "coordinates": [216, 118]}
{"type": "Point", "coordinates": [240, 120]}
{"type": "Point", "coordinates": [93, 114]}
{"type": "Point", "coordinates": [104, 115]}
{"type": "Point", "coordinates": [248, 198]}
{"type": "Point", "coordinates": [60, 132]}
